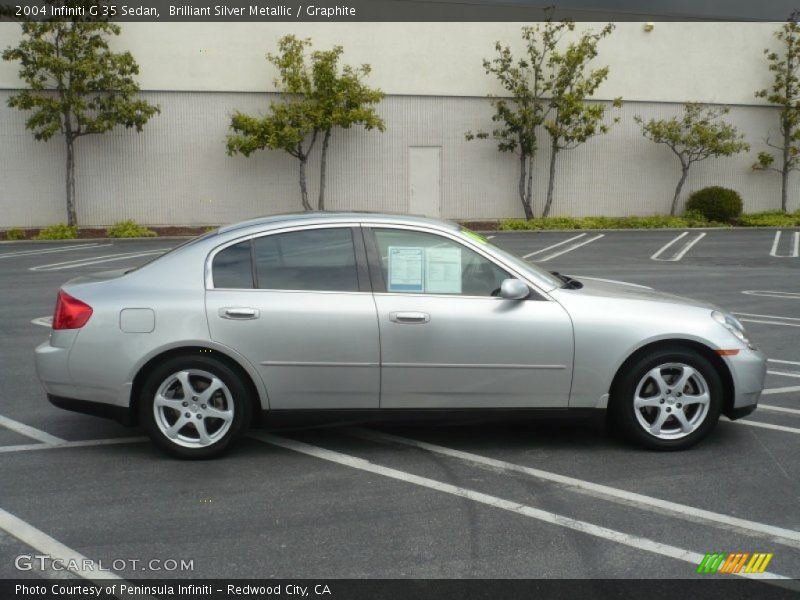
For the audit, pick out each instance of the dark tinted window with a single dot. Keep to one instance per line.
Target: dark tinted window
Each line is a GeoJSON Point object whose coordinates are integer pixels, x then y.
{"type": "Point", "coordinates": [315, 259]}
{"type": "Point", "coordinates": [232, 267]}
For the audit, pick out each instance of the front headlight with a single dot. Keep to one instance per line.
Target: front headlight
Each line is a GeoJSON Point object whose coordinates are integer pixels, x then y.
{"type": "Point", "coordinates": [733, 325]}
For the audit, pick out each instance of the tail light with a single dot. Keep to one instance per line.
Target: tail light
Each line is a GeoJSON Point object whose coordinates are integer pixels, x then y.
{"type": "Point", "coordinates": [70, 312]}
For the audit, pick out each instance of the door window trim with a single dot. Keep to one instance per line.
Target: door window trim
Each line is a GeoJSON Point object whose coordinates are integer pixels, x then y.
{"type": "Point", "coordinates": [376, 272]}
{"type": "Point", "coordinates": [359, 251]}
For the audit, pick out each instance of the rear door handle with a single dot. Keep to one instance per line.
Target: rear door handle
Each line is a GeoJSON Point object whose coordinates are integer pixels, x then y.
{"type": "Point", "coordinates": [409, 317]}
{"type": "Point", "coordinates": [239, 313]}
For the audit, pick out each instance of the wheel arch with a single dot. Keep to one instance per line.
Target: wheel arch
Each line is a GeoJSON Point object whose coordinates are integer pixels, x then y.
{"type": "Point", "coordinates": [706, 351]}
{"type": "Point", "coordinates": [249, 376]}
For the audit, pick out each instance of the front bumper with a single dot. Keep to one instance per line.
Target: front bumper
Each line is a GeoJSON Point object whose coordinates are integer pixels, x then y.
{"type": "Point", "coordinates": [748, 371]}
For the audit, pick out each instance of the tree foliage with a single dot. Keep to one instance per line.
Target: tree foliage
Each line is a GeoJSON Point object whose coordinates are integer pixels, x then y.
{"type": "Point", "coordinates": [76, 86]}
{"type": "Point", "coordinates": [784, 93]}
{"type": "Point", "coordinates": [548, 86]}
{"type": "Point", "coordinates": [318, 95]}
{"type": "Point", "coordinates": [570, 119]}
{"type": "Point", "coordinates": [700, 133]}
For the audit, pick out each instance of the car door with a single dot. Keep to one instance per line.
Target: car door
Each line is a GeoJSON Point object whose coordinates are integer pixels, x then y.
{"type": "Point", "coordinates": [298, 304]}
{"type": "Point", "coordinates": [449, 341]}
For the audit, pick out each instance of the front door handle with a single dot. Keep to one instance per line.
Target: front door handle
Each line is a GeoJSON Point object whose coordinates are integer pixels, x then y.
{"type": "Point", "coordinates": [239, 313]}
{"type": "Point", "coordinates": [409, 317]}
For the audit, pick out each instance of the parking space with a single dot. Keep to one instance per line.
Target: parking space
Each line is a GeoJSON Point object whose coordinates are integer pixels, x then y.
{"type": "Point", "coordinates": [553, 497]}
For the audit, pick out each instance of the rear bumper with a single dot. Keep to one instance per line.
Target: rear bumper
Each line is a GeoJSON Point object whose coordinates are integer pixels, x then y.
{"type": "Point", "coordinates": [120, 414]}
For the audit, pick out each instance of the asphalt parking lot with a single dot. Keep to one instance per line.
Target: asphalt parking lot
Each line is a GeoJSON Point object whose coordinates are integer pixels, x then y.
{"type": "Point", "coordinates": [550, 498]}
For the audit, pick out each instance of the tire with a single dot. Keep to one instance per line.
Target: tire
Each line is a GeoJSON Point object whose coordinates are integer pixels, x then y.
{"type": "Point", "coordinates": [203, 422]}
{"type": "Point", "coordinates": [647, 404]}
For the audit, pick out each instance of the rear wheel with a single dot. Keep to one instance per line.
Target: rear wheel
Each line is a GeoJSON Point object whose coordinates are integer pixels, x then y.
{"type": "Point", "coordinates": [669, 399]}
{"type": "Point", "coordinates": [194, 407]}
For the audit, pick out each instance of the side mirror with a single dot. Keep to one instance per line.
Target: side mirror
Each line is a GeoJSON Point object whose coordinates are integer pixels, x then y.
{"type": "Point", "coordinates": [514, 289]}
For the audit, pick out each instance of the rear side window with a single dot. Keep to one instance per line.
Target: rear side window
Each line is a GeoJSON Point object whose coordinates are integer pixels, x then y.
{"type": "Point", "coordinates": [313, 260]}
{"type": "Point", "coordinates": [232, 267]}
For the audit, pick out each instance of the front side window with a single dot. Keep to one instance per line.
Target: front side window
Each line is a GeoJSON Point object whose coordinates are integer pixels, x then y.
{"type": "Point", "coordinates": [424, 263]}
{"type": "Point", "coordinates": [313, 260]}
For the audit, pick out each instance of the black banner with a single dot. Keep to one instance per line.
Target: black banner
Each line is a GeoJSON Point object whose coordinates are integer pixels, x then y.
{"type": "Point", "coordinates": [398, 10]}
{"type": "Point", "coordinates": [398, 589]}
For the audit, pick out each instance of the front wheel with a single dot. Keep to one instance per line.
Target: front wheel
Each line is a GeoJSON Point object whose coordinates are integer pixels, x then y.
{"type": "Point", "coordinates": [194, 407]}
{"type": "Point", "coordinates": [669, 399]}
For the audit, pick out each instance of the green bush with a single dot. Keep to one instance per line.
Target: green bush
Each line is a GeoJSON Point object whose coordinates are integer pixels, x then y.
{"type": "Point", "coordinates": [61, 231]}
{"type": "Point", "coordinates": [654, 222]}
{"type": "Point", "coordinates": [716, 203]}
{"type": "Point", "coordinates": [129, 229]}
{"type": "Point", "coordinates": [15, 233]}
{"type": "Point", "coordinates": [770, 218]}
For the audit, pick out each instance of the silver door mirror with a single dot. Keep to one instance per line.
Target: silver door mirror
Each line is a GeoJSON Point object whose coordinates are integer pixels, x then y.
{"type": "Point", "coordinates": [514, 289]}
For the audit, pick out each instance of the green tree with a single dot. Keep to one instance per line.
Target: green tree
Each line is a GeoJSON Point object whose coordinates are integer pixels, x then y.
{"type": "Point", "coordinates": [317, 96]}
{"type": "Point", "coordinates": [519, 113]}
{"type": "Point", "coordinates": [549, 87]}
{"type": "Point", "coordinates": [784, 93]}
{"type": "Point", "coordinates": [698, 134]}
{"type": "Point", "coordinates": [76, 85]}
{"type": "Point", "coordinates": [569, 119]}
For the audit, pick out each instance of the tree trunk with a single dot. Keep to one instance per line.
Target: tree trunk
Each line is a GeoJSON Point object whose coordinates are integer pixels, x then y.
{"type": "Point", "coordinates": [552, 181]}
{"type": "Point", "coordinates": [523, 196]}
{"type": "Point", "coordinates": [322, 163]}
{"type": "Point", "coordinates": [787, 141]}
{"type": "Point", "coordinates": [678, 188]}
{"type": "Point", "coordinates": [303, 188]}
{"type": "Point", "coordinates": [529, 189]}
{"type": "Point", "coordinates": [72, 214]}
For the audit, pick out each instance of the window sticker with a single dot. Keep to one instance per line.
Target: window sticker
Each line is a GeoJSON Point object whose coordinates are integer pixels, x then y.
{"type": "Point", "coordinates": [443, 270]}
{"type": "Point", "coordinates": [406, 269]}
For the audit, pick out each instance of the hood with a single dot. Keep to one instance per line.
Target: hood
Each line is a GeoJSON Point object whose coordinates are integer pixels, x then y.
{"type": "Point", "coordinates": [609, 288]}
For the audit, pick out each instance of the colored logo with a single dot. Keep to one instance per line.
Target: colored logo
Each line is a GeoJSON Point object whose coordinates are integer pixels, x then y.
{"type": "Point", "coordinates": [734, 562]}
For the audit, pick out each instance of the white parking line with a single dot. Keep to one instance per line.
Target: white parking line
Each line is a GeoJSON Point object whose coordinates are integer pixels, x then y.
{"type": "Point", "coordinates": [773, 294]}
{"type": "Point", "coordinates": [76, 444]}
{"type": "Point", "coordinates": [94, 261]}
{"type": "Point", "coordinates": [784, 373]}
{"type": "Point", "coordinates": [774, 408]}
{"type": "Point", "coordinates": [795, 248]}
{"type": "Point", "coordinates": [28, 431]}
{"type": "Point", "coordinates": [571, 248]}
{"type": "Point", "coordinates": [43, 321]}
{"type": "Point", "coordinates": [51, 250]}
{"type": "Point", "coordinates": [561, 243]}
{"type": "Point", "coordinates": [777, 534]}
{"type": "Point", "coordinates": [784, 362]}
{"type": "Point", "coordinates": [781, 390]}
{"type": "Point", "coordinates": [767, 426]}
{"type": "Point", "coordinates": [765, 322]}
{"type": "Point", "coordinates": [632, 541]}
{"type": "Point", "coordinates": [682, 252]}
{"type": "Point", "coordinates": [39, 540]}
{"type": "Point", "coordinates": [772, 317]}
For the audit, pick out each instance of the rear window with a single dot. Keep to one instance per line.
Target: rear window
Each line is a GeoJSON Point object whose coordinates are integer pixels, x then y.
{"type": "Point", "coordinates": [232, 267]}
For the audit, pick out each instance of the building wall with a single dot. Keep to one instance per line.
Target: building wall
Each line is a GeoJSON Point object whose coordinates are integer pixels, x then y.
{"type": "Point", "coordinates": [177, 171]}
{"type": "Point", "coordinates": [708, 62]}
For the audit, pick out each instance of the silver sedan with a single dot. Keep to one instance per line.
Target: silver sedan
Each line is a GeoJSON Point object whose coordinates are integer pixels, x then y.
{"type": "Point", "coordinates": [368, 315]}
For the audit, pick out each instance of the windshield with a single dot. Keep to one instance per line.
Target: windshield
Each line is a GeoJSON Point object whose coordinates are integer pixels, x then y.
{"type": "Point", "coordinates": [545, 279]}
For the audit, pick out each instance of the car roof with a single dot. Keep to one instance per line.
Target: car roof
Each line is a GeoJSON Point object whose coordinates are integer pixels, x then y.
{"type": "Point", "coordinates": [284, 220]}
